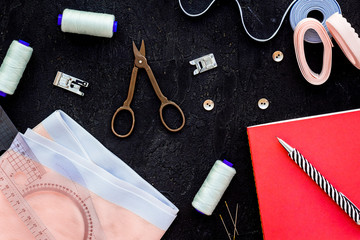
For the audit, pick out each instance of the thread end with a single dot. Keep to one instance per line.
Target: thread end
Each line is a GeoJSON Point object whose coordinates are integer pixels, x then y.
{"type": "Point", "coordinates": [200, 212]}
{"type": "Point", "coordinates": [115, 26]}
{"type": "Point", "coordinates": [228, 163]}
{"type": "Point", "coordinates": [2, 94]}
{"type": "Point", "coordinates": [24, 43]}
{"type": "Point", "coordinates": [59, 19]}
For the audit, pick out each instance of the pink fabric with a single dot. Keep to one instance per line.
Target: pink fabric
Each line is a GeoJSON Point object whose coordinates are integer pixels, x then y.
{"type": "Point", "coordinates": [64, 220]}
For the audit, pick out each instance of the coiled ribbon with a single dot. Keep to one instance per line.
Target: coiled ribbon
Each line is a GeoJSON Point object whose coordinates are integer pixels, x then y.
{"type": "Point", "coordinates": [326, 7]}
{"type": "Point", "coordinates": [301, 10]}
{"type": "Point", "coordinates": [346, 37]}
{"type": "Point", "coordinates": [299, 34]}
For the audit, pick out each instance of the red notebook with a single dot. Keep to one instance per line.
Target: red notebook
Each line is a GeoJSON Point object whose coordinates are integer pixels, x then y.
{"type": "Point", "coordinates": [291, 204]}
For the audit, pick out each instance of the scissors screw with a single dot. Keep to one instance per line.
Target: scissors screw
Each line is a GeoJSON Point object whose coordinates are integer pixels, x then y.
{"type": "Point", "coordinates": [140, 61]}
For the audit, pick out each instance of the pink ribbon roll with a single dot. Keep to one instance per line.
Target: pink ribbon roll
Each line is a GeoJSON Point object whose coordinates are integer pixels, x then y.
{"type": "Point", "coordinates": [346, 37]}
{"type": "Point", "coordinates": [299, 32]}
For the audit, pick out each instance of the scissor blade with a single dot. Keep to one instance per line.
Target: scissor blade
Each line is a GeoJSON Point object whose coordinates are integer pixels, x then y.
{"type": "Point", "coordinates": [136, 51]}
{"type": "Point", "coordinates": [142, 48]}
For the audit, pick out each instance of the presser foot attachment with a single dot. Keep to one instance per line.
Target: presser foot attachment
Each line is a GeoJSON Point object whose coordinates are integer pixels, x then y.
{"type": "Point", "coordinates": [70, 83]}
{"type": "Point", "coordinates": [204, 63]}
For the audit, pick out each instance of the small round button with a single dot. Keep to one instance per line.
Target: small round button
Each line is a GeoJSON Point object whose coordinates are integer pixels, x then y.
{"type": "Point", "coordinates": [278, 56]}
{"type": "Point", "coordinates": [263, 103]}
{"type": "Point", "coordinates": [208, 105]}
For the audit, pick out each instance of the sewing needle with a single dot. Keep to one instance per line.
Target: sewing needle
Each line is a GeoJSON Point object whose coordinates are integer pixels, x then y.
{"type": "Point", "coordinates": [236, 214]}
{"type": "Point", "coordinates": [232, 220]}
{"type": "Point", "coordinates": [225, 227]}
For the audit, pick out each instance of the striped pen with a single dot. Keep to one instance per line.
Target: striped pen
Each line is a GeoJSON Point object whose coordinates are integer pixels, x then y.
{"type": "Point", "coordinates": [321, 181]}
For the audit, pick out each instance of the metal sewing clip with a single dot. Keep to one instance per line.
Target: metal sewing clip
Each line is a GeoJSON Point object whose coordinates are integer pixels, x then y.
{"type": "Point", "coordinates": [70, 83]}
{"type": "Point", "coordinates": [204, 63]}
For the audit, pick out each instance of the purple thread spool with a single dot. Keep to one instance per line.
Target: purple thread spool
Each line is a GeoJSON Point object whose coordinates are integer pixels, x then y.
{"type": "Point", "coordinates": [2, 94]}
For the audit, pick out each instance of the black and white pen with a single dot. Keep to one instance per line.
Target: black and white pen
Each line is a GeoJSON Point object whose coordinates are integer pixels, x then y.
{"type": "Point", "coordinates": [321, 181]}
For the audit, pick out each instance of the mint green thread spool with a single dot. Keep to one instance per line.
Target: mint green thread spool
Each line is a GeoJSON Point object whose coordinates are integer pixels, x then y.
{"type": "Point", "coordinates": [214, 186]}
{"type": "Point", "coordinates": [13, 66]}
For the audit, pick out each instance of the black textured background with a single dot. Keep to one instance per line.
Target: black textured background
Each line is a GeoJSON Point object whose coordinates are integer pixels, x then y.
{"type": "Point", "coordinates": [177, 163]}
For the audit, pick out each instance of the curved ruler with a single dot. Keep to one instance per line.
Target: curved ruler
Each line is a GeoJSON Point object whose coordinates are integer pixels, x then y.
{"type": "Point", "coordinates": [20, 159]}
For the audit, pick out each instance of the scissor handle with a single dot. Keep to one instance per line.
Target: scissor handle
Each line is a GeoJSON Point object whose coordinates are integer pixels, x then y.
{"type": "Point", "coordinates": [171, 103]}
{"type": "Point", "coordinates": [123, 108]}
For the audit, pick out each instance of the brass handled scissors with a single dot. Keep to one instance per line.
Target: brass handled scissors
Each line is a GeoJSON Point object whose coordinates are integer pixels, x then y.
{"type": "Point", "coordinates": [141, 62]}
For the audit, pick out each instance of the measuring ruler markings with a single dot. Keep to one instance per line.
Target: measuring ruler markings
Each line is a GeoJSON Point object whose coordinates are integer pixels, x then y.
{"type": "Point", "coordinates": [9, 167]}
{"type": "Point", "coordinates": [20, 159]}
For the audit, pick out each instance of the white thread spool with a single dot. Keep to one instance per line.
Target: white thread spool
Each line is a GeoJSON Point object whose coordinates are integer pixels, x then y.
{"type": "Point", "coordinates": [213, 187]}
{"type": "Point", "coordinates": [89, 23]}
{"type": "Point", "coordinates": [13, 66]}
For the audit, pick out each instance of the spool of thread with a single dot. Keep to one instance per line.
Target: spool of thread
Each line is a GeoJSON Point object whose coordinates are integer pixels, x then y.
{"type": "Point", "coordinates": [89, 23]}
{"type": "Point", "coordinates": [13, 66]}
{"type": "Point", "coordinates": [301, 10]}
{"type": "Point", "coordinates": [213, 187]}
